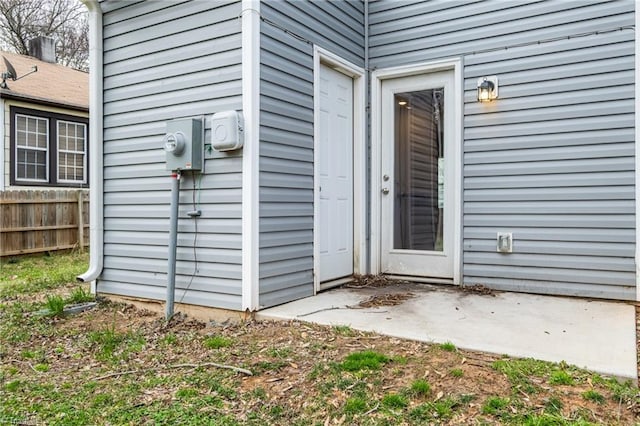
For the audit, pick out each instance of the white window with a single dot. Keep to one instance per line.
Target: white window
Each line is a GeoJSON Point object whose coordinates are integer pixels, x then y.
{"type": "Point", "coordinates": [32, 148]}
{"type": "Point", "coordinates": [48, 149]}
{"type": "Point", "coordinates": [72, 139]}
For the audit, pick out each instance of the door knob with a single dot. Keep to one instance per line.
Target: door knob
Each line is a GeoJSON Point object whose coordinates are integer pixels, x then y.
{"type": "Point", "coordinates": [385, 191]}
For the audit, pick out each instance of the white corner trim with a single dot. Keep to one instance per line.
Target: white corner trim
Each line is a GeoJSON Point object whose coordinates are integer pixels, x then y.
{"type": "Point", "coordinates": [96, 215]}
{"type": "Point", "coordinates": [4, 144]}
{"type": "Point", "coordinates": [250, 154]}
{"type": "Point", "coordinates": [377, 77]}
{"type": "Point", "coordinates": [637, 146]}
{"type": "Point", "coordinates": [323, 56]}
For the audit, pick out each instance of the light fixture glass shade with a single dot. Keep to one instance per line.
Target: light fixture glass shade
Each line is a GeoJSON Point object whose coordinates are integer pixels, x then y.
{"type": "Point", "coordinates": [487, 88]}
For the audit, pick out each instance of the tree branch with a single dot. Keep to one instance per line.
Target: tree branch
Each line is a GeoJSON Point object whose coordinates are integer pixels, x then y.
{"type": "Point", "coordinates": [170, 367]}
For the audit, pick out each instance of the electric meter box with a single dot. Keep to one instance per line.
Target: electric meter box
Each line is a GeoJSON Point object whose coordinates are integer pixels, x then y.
{"type": "Point", "coordinates": [183, 145]}
{"type": "Point", "coordinates": [227, 131]}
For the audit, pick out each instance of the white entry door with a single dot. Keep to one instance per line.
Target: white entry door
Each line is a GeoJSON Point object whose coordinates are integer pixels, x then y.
{"type": "Point", "coordinates": [335, 186]}
{"type": "Point", "coordinates": [417, 134]}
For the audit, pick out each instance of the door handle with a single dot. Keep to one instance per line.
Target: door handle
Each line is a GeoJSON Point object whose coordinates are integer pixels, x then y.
{"type": "Point", "coordinates": [385, 191]}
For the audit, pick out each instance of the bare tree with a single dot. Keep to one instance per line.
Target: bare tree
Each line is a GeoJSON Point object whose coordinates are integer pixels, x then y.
{"type": "Point", "coordinates": [64, 20]}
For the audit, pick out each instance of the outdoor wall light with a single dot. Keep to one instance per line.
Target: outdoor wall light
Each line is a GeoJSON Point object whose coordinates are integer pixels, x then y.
{"type": "Point", "coordinates": [487, 88]}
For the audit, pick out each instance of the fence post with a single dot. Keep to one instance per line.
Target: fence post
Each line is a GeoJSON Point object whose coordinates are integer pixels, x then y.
{"type": "Point", "coordinates": [80, 221]}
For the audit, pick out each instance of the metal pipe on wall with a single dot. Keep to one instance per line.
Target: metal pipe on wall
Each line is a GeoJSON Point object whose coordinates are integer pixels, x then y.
{"type": "Point", "coordinates": [173, 239]}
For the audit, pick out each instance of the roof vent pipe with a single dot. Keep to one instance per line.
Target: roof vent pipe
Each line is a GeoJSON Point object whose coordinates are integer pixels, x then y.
{"type": "Point", "coordinates": [43, 48]}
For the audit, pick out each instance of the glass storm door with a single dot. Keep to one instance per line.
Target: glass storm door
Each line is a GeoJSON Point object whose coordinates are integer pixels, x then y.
{"type": "Point", "coordinates": [417, 175]}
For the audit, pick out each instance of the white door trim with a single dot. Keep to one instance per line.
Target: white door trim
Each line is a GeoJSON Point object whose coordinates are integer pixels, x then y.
{"type": "Point", "coordinates": [322, 56]}
{"type": "Point", "coordinates": [377, 77]}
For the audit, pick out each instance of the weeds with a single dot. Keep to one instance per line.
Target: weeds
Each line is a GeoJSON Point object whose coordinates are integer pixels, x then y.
{"type": "Point", "coordinates": [595, 396]}
{"type": "Point", "coordinates": [495, 406]}
{"type": "Point", "coordinates": [394, 401]}
{"type": "Point", "coordinates": [440, 410]}
{"type": "Point", "coordinates": [367, 360]}
{"type": "Point", "coordinates": [280, 352]}
{"type": "Point", "coordinates": [560, 377]}
{"type": "Point", "coordinates": [355, 405]}
{"type": "Point", "coordinates": [344, 330]}
{"type": "Point", "coordinates": [79, 295]}
{"type": "Point", "coordinates": [420, 387]}
{"type": "Point", "coordinates": [106, 340]}
{"type": "Point", "coordinates": [217, 342]}
{"type": "Point", "coordinates": [457, 372]}
{"type": "Point", "coordinates": [55, 305]}
{"type": "Point", "coordinates": [553, 405]}
{"type": "Point", "coordinates": [448, 346]}
{"type": "Point", "coordinates": [113, 346]}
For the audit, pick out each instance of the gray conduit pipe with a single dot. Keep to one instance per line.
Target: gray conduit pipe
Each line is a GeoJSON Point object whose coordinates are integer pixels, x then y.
{"type": "Point", "coordinates": [173, 238]}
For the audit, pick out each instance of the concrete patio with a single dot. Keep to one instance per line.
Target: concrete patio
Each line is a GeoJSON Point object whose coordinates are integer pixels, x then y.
{"type": "Point", "coordinates": [597, 335]}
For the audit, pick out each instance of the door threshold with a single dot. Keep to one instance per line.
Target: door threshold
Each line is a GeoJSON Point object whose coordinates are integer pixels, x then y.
{"type": "Point", "coordinates": [425, 280]}
{"type": "Point", "coordinates": [335, 283]}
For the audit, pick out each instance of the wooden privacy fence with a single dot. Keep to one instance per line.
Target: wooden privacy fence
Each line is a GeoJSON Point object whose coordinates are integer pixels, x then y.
{"type": "Point", "coordinates": [39, 221]}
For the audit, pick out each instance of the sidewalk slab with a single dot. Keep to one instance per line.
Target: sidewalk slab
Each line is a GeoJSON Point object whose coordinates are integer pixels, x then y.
{"type": "Point", "coordinates": [596, 335]}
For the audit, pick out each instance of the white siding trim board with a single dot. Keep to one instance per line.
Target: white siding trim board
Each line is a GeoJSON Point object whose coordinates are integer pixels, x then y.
{"type": "Point", "coordinates": [251, 153]}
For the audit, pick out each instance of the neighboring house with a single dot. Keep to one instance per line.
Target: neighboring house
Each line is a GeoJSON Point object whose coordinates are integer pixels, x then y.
{"type": "Point", "coordinates": [534, 191]}
{"type": "Point", "coordinates": [45, 118]}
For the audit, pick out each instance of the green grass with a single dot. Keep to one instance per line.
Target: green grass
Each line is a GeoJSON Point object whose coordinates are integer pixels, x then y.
{"type": "Point", "coordinates": [31, 274]}
{"type": "Point", "coordinates": [12, 386]}
{"type": "Point", "coordinates": [432, 412]}
{"type": "Point", "coordinates": [456, 372]}
{"type": "Point", "coordinates": [169, 339]}
{"type": "Point", "coordinates": [367, 360]}
{"type": "Point", "coordinates": [79, 295]}
{"type": "Point", "coordinates": [495, 405]}
{"type": "Point", "coordinates": [55, 305]}
{"type": "Point", "coordinates": [113, 346]}
{"type": "Point", "coordinates": [553, 405]}
{"type": "Point", "coordinates": [186, 393]}
{"type": "Point", "coordinates": [42, 368]}
{"type": "Point", "coordinates": [595, 396]}
{"type": "Point", "coordinates": [520, 372]}
{"type": "Point", "coordinates": [282, 352]}
{"type": "Point", "coordinates": [622, 392]}
{"type": "Point", "coordinates": [448, 346]}
{"type": "Point", "coordinates": [420, 387]}
{"type": "Point", "coordinates": [344, 330]}
{"type": "Point", "coordinates": [560, 377]}
{"type": "Point", "coordinates": [217, 342]}
{"type": "Point", "coordinates": [394, 401]}
{"type": "Point", "coordinates": [106, 341]}
{"type": "Point", "coordinates": [355, 405]}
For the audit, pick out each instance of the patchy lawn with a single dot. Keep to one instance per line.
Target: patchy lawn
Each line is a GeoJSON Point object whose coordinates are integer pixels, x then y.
{"type": "Point", "coordinates": [118, 365]}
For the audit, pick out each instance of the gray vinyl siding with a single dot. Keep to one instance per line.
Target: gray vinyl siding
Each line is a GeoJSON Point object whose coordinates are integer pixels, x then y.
{"type": "Point", "coordinates": [162, 61]}
{"type": "Point", "coordinates": [553, 159]}
{"type": "Point", "coordinates": [286, 133]}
